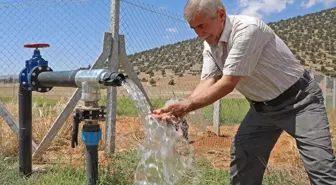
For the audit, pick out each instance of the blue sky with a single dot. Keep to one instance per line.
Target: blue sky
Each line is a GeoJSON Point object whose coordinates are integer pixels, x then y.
{"type": "Point", "coordinates": [74, 28]}
{"type": "Point", "coordinates": [268, 10]}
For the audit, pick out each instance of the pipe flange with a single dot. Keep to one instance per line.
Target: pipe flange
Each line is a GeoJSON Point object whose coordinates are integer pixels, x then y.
{"type": "Point", "coordinates": [36, 86]}
{"type": "Point", "coordinates": [92, 113]}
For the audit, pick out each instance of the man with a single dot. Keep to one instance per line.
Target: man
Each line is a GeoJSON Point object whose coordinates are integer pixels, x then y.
{"type": "Point", "coordinates": [242, 52]}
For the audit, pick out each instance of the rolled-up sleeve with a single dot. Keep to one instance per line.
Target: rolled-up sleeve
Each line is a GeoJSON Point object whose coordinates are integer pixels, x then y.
{"type": "Point", "coordinates": [209, 68]}
{"type": "Point", "coordinates": [248, 44]}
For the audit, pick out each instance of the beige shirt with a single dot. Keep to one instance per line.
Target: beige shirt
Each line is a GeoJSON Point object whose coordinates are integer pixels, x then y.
{"type": "Point", "coordinates": [249, 48]}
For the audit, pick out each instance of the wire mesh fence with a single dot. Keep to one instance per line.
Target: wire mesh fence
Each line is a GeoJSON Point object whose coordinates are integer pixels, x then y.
{"type": "Point", "coordinates": [162, 49]}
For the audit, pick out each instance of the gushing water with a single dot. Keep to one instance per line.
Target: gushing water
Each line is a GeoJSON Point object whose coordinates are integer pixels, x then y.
{"type": "Point", "coordinates": [165, 156]}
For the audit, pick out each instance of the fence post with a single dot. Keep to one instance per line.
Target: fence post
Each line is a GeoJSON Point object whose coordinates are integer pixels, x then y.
{"type": "Point", "coordinates": [312, 73]}
{"type": "Point", "coordinates": [113, 65]}
{"type": "Point", "coordinates": [334, 94]}
{"type": "Point", "coordinates": [216, 117]}
{"type": "Point", "coordinates": [325, 89]}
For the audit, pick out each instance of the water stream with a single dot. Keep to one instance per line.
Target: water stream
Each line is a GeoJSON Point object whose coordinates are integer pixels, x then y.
{"type": "Point", "coordinates": [165, 156]}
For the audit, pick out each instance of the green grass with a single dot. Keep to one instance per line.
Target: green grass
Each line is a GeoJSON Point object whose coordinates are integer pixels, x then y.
{"type": "Point", "coordinates": [123, 165]}
{"type": "Point", "coordinates": [38, 101]}
{"type": "Point", "coordinates": [126, 106]}
{"type": "Point", "coordinates": [232, 110]}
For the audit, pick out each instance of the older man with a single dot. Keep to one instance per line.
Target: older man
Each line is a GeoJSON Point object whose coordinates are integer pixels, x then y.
{"type": "Point", "coordinates": [242, 52]}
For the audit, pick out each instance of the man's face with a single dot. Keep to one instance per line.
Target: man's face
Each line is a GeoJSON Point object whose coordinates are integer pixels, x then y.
{"type": "Point", "coordinates": [208, 28]}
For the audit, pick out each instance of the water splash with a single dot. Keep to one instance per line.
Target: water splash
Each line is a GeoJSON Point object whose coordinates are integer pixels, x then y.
{"type": "Point", "coordinates": [165, 156]}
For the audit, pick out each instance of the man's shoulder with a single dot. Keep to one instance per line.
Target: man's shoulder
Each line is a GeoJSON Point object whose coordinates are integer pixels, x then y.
{"type": "Point", "coordinates": [244, 20]}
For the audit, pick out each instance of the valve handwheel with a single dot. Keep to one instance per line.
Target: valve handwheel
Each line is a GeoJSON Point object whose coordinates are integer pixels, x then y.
{"type": "Point", "coordinates": [37, 45]}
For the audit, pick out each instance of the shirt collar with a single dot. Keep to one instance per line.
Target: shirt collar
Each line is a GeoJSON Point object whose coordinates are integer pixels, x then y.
{"type": "Point", "coordinates": [226, 31]}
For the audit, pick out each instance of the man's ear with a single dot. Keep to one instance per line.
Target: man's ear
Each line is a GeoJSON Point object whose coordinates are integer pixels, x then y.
{"type": "Point", "coordinates": [221, 14]}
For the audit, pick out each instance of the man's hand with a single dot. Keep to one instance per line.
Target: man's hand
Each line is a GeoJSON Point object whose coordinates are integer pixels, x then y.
{"type": "Point", "coordinates": [220, 89]}
{"type": "Point", "coordinates": [167, 117]}
{"type": "Point", "coordinates": [178, 109]}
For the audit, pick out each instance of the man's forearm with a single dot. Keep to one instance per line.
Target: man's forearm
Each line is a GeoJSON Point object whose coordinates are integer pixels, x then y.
{"type": "Point", "coordinates": [220, 89]}
{"type": "Point", "coordinates": [203, 86]}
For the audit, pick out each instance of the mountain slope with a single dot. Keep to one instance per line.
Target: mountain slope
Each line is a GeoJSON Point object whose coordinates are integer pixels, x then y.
{"type": "Point", "coordinates": [312, 38]}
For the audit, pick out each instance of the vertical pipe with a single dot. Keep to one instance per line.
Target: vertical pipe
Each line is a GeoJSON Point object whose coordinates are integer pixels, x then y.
{"type": "Point", "coordinates": [113, 64]}
{"type": "Point", "coordinates": [91, 130]}
{"type": "Point", "coordinates": [91, 154]}
{"type": "Point", "coordinates": [25, 131]}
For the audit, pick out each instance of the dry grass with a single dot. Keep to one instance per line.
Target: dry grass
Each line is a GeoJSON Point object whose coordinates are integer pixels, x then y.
{"type": "Point", "coordinates": [332, 120]}
{"type": "Point", "coordinates": [43, 117]}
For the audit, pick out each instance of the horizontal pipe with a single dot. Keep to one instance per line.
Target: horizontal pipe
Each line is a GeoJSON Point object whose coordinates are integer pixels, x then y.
{"type": "Point", "coordinates": [58, 79]}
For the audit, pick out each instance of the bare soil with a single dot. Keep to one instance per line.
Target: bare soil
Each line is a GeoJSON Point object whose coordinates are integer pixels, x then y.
{"type": "Point", "coordinates": [206, 145]}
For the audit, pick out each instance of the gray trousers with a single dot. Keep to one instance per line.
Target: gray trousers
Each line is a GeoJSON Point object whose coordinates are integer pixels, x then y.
{"type": "Point", "coordinates": [304, 117]}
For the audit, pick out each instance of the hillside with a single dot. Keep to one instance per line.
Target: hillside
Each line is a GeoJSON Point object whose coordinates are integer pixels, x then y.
{"type": "Point", "coordinates": [312, 38]}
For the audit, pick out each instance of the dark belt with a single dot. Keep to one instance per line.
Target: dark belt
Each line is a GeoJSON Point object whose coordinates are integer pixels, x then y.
{"type": "Point", "coordinates": [290, 92]}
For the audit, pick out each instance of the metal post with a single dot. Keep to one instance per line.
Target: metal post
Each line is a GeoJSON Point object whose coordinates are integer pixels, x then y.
{"type": "Point", "coordinates": [25, 131]}
{"type": "Point", "coordinates": [113, 65]}
{"type": "Point", "coordinates": [334, 94]}
{"type": "Point", "coordinates": [325, 89]}
{"type": "Point", "coordinates": [312, 73]}
{"type": "Point", "coordinates": [13, 81]}
{"type": "Point", "coordinates": [216, 117]}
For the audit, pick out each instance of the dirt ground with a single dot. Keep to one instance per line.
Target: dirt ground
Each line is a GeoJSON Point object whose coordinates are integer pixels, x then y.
{"type": "Point", "coordinates": [209, 145]}
{"type": "Point", "coordinates": [217, 148]}
{"type": "Point", "coordinates": [206, 145]}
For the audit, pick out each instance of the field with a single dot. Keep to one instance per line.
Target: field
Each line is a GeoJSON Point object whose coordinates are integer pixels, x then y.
{"type": "Point", "coordinates": [167, 69]}
{"type": "Point", "coordinates": [65, 165]}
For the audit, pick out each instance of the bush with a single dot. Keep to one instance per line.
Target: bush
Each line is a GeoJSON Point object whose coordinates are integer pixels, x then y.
{"type": "Point", "coordinates": [152, 82]}
{"type": "Point", "coordinates": [171, 82]}
{"type": "Point", "coordinates": [334, 61]}
{"type": "Point", "coordinates": [163, 72]}
{"type": "Point", "coordinates": [302, 61]}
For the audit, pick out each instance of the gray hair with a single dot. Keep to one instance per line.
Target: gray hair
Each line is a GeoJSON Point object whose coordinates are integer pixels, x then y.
{"type": "Point", "coordinates": [209, 7]}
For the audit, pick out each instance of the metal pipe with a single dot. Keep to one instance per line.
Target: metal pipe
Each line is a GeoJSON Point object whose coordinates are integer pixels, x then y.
{"type": "Point", "coordinates": [91, 130]}
{"type": "Point", "coordinates": [91, 135]}
{"type": "Point", "coordinates": [99, 78]}
{"type": "Point", "coordinates": [93, 78]}
{"type": "Point", "coordinates": [58, 78]}
{"type": "Point", "coordinates": [25, 131]}
{"type": "Point", "coordinates": [91, 154]}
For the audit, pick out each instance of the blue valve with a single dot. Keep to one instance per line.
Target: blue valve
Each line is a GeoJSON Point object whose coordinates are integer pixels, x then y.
{"type": "Point", "coordinates": [34, 66]}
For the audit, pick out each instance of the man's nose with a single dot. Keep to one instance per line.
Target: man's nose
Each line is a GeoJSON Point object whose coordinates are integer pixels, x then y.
{"type": "Point", "coordinates": [202, 36]}
{"type": "Point", "coordinates": [199, 32]}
